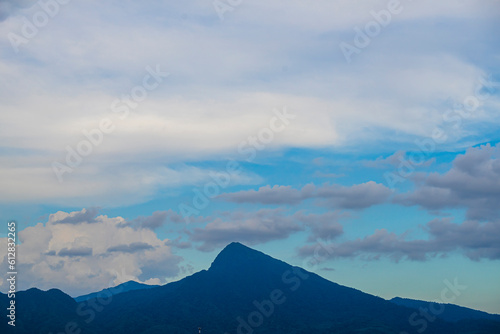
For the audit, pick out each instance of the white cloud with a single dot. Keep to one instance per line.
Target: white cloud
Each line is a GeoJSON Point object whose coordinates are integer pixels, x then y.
{"type": "Point", "coordinates": [226, 77]}
{"type": "Point", "coordinates": [81, 257]}
{"type": "Point", "coordinates": [103, 185]}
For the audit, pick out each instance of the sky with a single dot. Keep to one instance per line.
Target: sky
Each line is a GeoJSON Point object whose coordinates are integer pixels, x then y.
{"type": "Point", "coordinates": [356, 139]}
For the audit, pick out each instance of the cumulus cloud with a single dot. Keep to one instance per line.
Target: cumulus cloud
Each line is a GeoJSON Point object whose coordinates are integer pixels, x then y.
{"type": "Point", "coordinates": [322, 226]}
{"type": "Point", "coordinates": [84, 256]}
{"type": "Point", "coordinates": [263, 226]}
{"type": "Point", "coordinates": [354, 197]}
{"type": "Point", "coordinates": [477, 240]}
{"type": "Point", "coordinates": [380, 243]}
{"type": "Point", "coordinates": [473, 239]}
{"type": "Point", "coordinates": [359, 196]}
{"type": "Point", "coordinates": [130, 248]}
{"type": "Point", "coordinates": [73, 252]}
{"type": "Point", "coordinates": [472, 183]}
{"type": "Point", "coordinates": [156, 220]}
{"type": "Point", "coordinates": [178, 243]}
{"type": "Point", "coordinates": [76, 217]}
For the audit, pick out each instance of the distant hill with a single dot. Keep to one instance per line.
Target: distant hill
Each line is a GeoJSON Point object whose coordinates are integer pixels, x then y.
{"type": "Point", "coordinates": [243, 292]}
{"type": "Point", "coordinates": [124, 287]}
{"type": "Point", "coordinates": [40, 311]}
{"type": "Point", "coordinates": [450, 312]}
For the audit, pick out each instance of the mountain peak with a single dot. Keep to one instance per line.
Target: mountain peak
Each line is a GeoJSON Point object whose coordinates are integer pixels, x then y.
{"type": "Point", "coordinates": [237, 257]}
{"type": "Point", "coordinates": [123, 287]}
{"type": "Point", "coordinates": [233, 253]}
{"type": "Point", "coordinates": [236, 246]}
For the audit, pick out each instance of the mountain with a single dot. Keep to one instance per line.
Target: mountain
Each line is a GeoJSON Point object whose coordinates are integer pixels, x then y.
{"type": "Point", "coordinates": [40, 311]}
{"type": "Point", "coordinates": [244, 292]}
{"type": "Point", "coordinates": [450, 312]}
{"type": "Point", "coordinates": [124, 287]}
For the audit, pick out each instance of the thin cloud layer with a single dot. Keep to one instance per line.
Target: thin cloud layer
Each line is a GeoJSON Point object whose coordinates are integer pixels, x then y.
{"type": "Point", "coordinates": [216, 80]}
{"type": "Point", "coordinates": [161, 218]}
{"type": "Point", "coordinates": [11, 7]}
{"type": "Point", "coordinates": [157, 220]}
{"type": "Point", "coordinates": [356, 197]}
{"type": "Point", "coordinates": [270, 195]}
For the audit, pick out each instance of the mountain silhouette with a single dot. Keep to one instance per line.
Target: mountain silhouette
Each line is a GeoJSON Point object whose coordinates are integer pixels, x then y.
{"type": "Point", "coordinates": [245, 292]}
{"type": "Point", "coordinates": [450, 312]}
{"type": "Point", "coordinates": [124, 287]}
{"type": "Point", "coordinates": [40, 311]}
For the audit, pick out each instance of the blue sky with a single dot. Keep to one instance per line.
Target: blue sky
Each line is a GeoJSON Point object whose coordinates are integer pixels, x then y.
{"type": "Point", "coordinates": [359, 140]}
